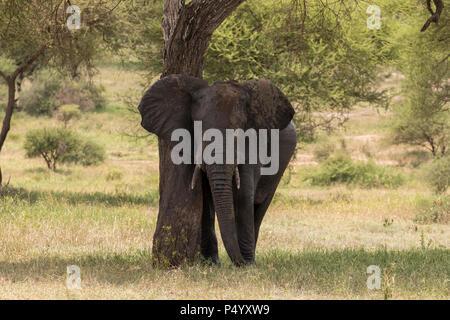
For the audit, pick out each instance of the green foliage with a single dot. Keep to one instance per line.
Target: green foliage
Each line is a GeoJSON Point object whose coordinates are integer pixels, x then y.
{"type": "Point", "coordinates": [434, 210]}
{"type": "Point", "coordinates": [60, 145]}
{"type": "Point", "coordinates": [141, 36]}
{"type": "Point", "coordinates": [53, 144]}
{"type": "Point", "coordinates": [321, 60]}
{"type": "Point", "coordinates": [342, 169]}
{"type": "Point", "coordinates": [68, 112]}
{"type": "Point", "coordinates": [91, 154]}
{"type": "Point", "coordinates": [39, 98]}
{"type": "Point", "coordinates": [49, 90]}
{"type": "Point", "coordinates": [438, 174]}
{"type": "Point", "coordinates": [27, 26]}
{"type": "Point", "coordinates": [324, 64]}
{"type": "Point", "coordinates": [423, 117]}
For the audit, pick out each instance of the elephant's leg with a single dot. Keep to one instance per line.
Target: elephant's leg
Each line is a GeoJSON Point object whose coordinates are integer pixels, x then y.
{"type": "Point", "coordinates": [267, 185]}
{"type": "Point", "coordinates": [260, 212]}
{"type": "Point", "coordinates": [245, 213]}
{"type": "Point", "coordinates": [208, 238]}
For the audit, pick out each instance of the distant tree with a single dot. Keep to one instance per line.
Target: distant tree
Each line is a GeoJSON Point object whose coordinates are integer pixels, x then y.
{"type": "Point", "coordinates": [422, 118]}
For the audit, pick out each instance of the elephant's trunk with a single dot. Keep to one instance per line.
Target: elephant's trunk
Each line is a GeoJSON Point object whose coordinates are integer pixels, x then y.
{"type": "Point", "coordinates": [220, 178]}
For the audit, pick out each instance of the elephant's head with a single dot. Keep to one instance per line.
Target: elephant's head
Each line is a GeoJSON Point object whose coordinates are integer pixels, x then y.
{"type": "Point", "coordinates": [177, 101]}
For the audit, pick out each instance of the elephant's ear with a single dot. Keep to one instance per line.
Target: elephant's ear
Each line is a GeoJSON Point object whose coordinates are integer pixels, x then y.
{"type": "Point", "coordinates": [166, 105]}
{"type": "Point", "coordinates": [268, 107]}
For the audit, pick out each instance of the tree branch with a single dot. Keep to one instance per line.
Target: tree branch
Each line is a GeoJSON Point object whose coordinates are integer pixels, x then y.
{"type": "Point", "coordinates": [443, 60]}
{"type": "Point", "coordinates": [214, 11]}
{"type": "Point", "coordinates": [27, 63]}
{"type": "Point", "coordinates": [434, 15]}
{"type": "Point", "coordinates": [187, 30]}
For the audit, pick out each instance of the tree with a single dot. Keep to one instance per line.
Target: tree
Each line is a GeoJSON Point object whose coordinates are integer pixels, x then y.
{"type": "Point", "coordinates": [311, 43]}
{"type": "Point", "coordinates": [422, 118]}
{"type": "Point", "coordinates": [34, 33]}
{"type": "Point", "coordinates": [60, 145]}
{"type": "Point", "coordinates": [53, 145]}
{"type": "Point", "coordinates": [187, 31]}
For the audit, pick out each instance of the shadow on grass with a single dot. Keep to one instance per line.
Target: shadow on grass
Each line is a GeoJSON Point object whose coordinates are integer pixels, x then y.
{"type": "Point", "coordinates": [74, 198]}
{"type": "Point", "coordinates": [327, 271]}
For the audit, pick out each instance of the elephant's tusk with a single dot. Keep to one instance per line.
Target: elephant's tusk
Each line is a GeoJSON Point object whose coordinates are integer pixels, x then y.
{"type": "Point", "coordinates": [237, 177]}
{"type": "Point", "coordinates": [195, 176]}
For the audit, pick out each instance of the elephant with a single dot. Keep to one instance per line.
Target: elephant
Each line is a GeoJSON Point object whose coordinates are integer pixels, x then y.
{"type": "Point", "coordinates": [236, 192]}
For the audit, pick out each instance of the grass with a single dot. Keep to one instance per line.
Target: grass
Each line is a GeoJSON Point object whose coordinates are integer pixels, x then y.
{"type": "Point", "coordinates": [315, 242]}
{"type": "Point", "coordinates": [279, 274]}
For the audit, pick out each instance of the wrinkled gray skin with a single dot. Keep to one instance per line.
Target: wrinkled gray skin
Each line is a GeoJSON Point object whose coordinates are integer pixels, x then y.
{"type": "Point", "coordinates": [178, 100]}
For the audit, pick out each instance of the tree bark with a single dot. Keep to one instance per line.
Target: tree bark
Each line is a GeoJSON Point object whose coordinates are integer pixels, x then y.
{"type": "Point", "coordinates": [9, 110]}
{"type": "Point", "coordinates": [187, 30]}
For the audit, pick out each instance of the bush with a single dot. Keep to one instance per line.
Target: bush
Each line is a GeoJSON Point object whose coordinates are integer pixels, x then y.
{"type": "Point", "coordinates": [39, 99]}
{"type": "Point", "coordinates": [53, 144]}
{"type": "Point", "coordinates": [433, 210]}
{"type": "Point", "coordinates": [68, 112]}
{"type": "Point", "coordinates": [342, 169]}
{"type": "Point", "coordinates": [84, 94]}
{"type": "Point", "coordinates": [91, 154]}
{"type": "Point", "coordinates": [49, 90]}
{"type": "Point", "coordinates": [60, 145]}
{"type": "Point", "coordinates": [438, 174]}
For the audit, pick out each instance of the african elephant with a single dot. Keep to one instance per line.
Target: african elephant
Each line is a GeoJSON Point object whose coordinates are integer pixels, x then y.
{"type": "Point", "coordinates": [238, 192]}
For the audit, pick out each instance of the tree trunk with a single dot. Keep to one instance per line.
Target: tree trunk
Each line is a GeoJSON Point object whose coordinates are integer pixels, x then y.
{"type": "Point", "coordinates": [9, 110]}
{"type": "Point", "coordinates": [187, 30]}
{"type": "Point", "coordinates": [11, 82]}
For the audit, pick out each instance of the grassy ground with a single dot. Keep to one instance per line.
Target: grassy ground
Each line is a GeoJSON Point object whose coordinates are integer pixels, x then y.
{"type": "Point", "coordinates": [314, 243]}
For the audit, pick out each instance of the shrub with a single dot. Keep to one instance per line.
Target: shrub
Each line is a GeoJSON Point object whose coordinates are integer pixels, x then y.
{"type": "Point", "coordinates": [53, 144]}
{"type": "Point", "coordinates": [91, 154]}
{"type": "Point", "coordinates": [84, 94]}
{"type": "Point", "coordinates": [39, 98]}
{"type": "Point", "coordinates": [438, 174]}
{"type": "Point", "coordinates": [68, 112]}
{"type": "Point", "coordinates": [342, 169]}
{"type": "Point", "coordinates": [50, 90]}
{"type": "Point", "coordinates": [60, 145]}
{"type": "Point", "coordinates": [433, 210]}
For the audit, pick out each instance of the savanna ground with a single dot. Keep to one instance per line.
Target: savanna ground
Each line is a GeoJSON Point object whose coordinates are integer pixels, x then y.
{"type": "Point", "coordinates": [315, 242]}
